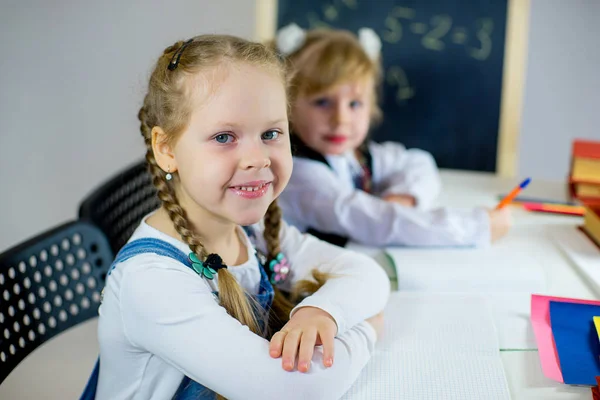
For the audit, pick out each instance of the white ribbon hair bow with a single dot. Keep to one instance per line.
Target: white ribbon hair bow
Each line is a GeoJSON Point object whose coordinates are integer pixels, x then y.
{"type": "Point", "coordinates": [290, 38]}
{"type": "Point", "coordinates": [370, 42]}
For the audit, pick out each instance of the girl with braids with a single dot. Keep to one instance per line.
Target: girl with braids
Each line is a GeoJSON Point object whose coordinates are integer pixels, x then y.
{"type": "Point", "coordinates": [345, 187]}
{"type": "Point", "coordinates": [194, 304]}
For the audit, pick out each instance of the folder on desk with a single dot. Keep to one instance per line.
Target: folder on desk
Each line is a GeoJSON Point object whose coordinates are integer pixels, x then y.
{"type": "Point", "coordinates": [576, 341]}
{"type": "Point", "coordinates": [545, 335]}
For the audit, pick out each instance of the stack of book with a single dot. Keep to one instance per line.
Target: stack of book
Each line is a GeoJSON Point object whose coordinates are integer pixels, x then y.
{"type": "Point", "coordinates": [584, 180]}
{"type": "Point", "coordinates": [591, 223]}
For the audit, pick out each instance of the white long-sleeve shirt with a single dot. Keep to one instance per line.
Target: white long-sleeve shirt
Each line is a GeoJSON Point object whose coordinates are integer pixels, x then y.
{"type": "Point", "coordinates": [323, 197]}
{"type": "Point", "coordinates": [160, 321]}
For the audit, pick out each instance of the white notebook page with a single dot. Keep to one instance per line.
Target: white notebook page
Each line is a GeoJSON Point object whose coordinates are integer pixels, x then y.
{"type": "Point", "coordinates": [435, 346]}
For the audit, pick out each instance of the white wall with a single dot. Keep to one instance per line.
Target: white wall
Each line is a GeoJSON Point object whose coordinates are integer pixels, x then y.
{"type": "Point", "coordinates": [562, 85]}
{"type": "Point", "coordinates": [72, 78]}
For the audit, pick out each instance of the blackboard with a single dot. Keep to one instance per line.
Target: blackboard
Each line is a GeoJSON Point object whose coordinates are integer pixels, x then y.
{"type": "Point", "coordinates": [443, 64]}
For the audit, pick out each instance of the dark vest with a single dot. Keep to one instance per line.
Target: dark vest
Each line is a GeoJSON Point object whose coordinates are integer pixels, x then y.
{"type": "Point", "coordinates": [301, 150]}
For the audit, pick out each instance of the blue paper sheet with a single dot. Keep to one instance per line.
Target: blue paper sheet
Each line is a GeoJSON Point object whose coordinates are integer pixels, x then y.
{"type": "Point", "coordinates": [576, 341]}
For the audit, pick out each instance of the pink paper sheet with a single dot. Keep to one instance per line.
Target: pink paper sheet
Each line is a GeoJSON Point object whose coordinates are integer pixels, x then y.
{"type": "Point", "coordinates": [540, 319]}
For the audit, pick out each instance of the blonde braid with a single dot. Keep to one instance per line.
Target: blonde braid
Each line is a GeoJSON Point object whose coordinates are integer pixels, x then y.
{"type": "Point", "coordinates": [272, 228]}
{"type": "Point", "coordinates": [282, 304]}
{"type": "Point", "coordinates": [231, 295]}
{"type": "Point", "coordinates": [281, 307]}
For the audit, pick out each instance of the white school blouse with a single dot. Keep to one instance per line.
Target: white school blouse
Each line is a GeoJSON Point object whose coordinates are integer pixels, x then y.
{"type": "Point", "coordinates": [324, 198]}
{"type": "Point", "coordinates": [160, 321]}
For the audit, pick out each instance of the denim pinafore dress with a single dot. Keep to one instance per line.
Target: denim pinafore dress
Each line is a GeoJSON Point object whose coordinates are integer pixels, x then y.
{"type": "Point", "coordinates": [188, 389]}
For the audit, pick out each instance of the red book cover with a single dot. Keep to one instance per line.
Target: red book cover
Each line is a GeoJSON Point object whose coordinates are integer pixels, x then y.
{"type": "Point", "coordinates": [586, 149]}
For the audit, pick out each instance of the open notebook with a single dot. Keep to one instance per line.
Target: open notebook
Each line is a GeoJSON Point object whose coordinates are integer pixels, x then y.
{"type": "Point", "coordinates": [505, 274]}
{"type": "Point", "coordinates": [495, 269]}
{"type": "Point", "coordinates": [435, 346]}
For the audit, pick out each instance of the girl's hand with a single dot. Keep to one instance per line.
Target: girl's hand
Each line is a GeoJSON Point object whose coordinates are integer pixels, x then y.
{"type": "Point", "coordinates": [500, 222]}
{"type": "Point", "coordinates": [308, 327]}
{"type": "Point", "coordinates": [402, 199]}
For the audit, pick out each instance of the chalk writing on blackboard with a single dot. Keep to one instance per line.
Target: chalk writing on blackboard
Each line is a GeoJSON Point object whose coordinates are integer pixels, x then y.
{"type": "Point", "coordinates": [314, 22]}
{"type": "Point", "coordinates": [459, 36]}
{"type": "Point", "coordinates": [330, 12]}
{"type": "Point", "coordinates": [418, 27]}
{"type": "Point", "coordinates": [350, 3]}
{"type": "Point", "coordinates": [393, 24]}
{"type": "Point", "coordinates": [435, 32]}
{"type": "Point", "coordinates": [484, 35]}
{"type": "Point", "coordinates": [432, 39]}
{"type": "Point", "coordinates": [396, 77]}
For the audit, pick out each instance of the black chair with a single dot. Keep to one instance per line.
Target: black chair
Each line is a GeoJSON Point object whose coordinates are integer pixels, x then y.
{"type": "Point", "coordinates": [118, 206]}
{"type": "Point", "coordinates": [48, 284]}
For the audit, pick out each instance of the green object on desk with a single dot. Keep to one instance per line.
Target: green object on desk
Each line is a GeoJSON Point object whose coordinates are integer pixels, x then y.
{"type": "Point", "coordinates": [511, 350]}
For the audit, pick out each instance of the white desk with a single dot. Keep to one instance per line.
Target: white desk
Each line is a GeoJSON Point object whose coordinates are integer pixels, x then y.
{"type": "Point", "coordinates": [59, 369]}
{"type": "Point", "coordinates": [465, 189]}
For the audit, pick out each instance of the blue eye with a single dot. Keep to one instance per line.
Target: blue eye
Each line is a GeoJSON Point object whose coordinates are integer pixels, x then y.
{"type": "Point", "coordinates": [355, 104]}
{"type": "Point", "coordinates": [224, 138]}
{"type": "Point", "coordinates": [322, 102]}
{"type": "Point", "coordinates": [270, 135]}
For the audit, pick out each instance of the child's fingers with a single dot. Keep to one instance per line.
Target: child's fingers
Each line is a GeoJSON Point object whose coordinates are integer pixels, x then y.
{"type": "Point", "coordinates": [307, 348]}
{"type": "Point", "coordinates": [290, 349]}
{"type": "Point", "coordinates": [327, 338]}
{"type": "Point", "coordinates": [276, 345]}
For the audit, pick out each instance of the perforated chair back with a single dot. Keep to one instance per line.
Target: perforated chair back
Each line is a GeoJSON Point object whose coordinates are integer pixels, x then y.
{"type": "Point", "coordinates": [47, 285]}
{"type": "Point", "coordinates": [118, 206]}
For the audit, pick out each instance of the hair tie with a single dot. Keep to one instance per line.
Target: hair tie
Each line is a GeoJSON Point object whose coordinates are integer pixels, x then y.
{"type": "Point", "coordinates": [370, 42]}
{"type": "Point", "coordinates": [279, 268]}
{"type": "Point", "coordinates": [290, 38]}
{"type": "Point", "coordinates": [210, 267]}
{"type": "Point", "coordinates": [175, 59]}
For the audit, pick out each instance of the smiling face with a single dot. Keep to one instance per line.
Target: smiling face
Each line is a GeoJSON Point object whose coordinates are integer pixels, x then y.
{"type": "Point", "coordinates": [333, 91]}
{"type": "Point", "coordinates": [234, 157]}
{"type": "Point", "coordinates": [337, 120]}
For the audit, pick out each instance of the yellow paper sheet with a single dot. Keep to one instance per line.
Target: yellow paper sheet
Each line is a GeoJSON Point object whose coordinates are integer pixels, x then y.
{"type": "Point", "coordinates": [597, 325]}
